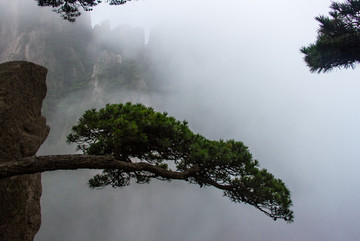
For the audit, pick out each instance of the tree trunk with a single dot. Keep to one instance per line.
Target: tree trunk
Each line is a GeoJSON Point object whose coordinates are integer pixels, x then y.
{"type": "Point", "coordinates": [36, 164]}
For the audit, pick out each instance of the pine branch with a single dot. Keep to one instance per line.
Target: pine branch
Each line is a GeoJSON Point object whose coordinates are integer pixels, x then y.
{"type": "Point", "coordinates": [35, 164]}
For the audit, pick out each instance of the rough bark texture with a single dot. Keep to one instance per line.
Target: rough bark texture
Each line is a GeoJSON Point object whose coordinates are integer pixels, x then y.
{"type": "Point", "coordinates": [22, 131]}
{"type": "Point", "coordinates": [35, 164]}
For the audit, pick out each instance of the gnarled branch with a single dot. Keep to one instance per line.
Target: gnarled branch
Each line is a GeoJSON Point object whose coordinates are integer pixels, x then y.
{"type": "Point", "coordinates": [35, 164]}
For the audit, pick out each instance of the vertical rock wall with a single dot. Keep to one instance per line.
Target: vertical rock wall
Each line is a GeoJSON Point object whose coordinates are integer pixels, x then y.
{"type": "Point", "coordinates": [22, 131]}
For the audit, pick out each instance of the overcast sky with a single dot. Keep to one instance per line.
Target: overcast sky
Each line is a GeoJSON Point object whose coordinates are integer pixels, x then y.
{"type": "Point", "coordinates": [239, 75]}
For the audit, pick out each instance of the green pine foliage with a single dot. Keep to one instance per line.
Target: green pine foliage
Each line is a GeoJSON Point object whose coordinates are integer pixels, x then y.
{"type": "Point", "coordinates": [133, 132]}
{"type": "Point", "coordinates": [338, 40]}
{"type": "Point", "coordinates": [71, 9]}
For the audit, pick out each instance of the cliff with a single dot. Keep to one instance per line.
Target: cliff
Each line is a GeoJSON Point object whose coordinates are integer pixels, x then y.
{"type": "Point", "coordinates": [22, 131]}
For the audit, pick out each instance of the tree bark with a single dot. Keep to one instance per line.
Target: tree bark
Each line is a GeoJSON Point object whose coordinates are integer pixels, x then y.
{"type": "Point", "coordinates": [35, 164]}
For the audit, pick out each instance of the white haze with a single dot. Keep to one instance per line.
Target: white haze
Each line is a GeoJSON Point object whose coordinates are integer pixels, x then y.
{"type": "Point", "coordinates": [235, 72]}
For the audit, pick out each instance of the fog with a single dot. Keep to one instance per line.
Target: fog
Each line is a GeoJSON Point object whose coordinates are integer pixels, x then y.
{"type": "Point", "coordinates": [233, 69]}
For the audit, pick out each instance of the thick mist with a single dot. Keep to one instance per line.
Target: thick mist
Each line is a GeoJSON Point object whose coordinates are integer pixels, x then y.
{"type": "Point", "coordinates": [233, 69]}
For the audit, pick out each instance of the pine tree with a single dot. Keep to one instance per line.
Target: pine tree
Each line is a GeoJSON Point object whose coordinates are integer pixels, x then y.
{"type": "Point", "coordinates": [134, 142]}
{"type": "Point", "coordinates": [70, 9]}
{"type": "Point", "coordinates": [135, 132]}
{"type": "Point", "coordinates": [338, 40]}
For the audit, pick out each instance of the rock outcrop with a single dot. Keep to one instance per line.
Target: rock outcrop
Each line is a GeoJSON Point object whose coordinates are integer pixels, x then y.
{"type": "Point", "coordinates": [22, 131]}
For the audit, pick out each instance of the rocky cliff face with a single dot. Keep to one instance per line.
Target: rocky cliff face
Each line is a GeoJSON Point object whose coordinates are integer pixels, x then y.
{"type": "Point", "coordinates": [22, 131]}
{"type": "Point", "coordinates": [85, 64]}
